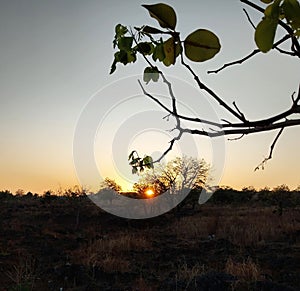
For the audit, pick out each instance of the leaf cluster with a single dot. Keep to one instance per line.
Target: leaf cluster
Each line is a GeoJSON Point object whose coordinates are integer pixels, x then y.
{"type": "Point", "coordinates": [139, 164]}
{"type": "Point", "coordinates": [288, 10]}
{"type": "Point", "coordinates": [199, 46]}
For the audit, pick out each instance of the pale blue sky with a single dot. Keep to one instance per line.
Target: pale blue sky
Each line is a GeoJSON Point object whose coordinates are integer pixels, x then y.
{"type": "Point", "coordinates": [54, 55]}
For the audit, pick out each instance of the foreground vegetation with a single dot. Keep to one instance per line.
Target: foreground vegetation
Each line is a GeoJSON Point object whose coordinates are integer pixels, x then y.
{"type": "Point", "coordinates": [239, 240]}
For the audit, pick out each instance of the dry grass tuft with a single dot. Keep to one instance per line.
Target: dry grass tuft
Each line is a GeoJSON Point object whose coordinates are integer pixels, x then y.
{"type": "Point", "coordinates": [246, 271]}
{"type": "Point", "coordinates": [110, 254]}
{"type": "Point", "coordinates": [184, 272]}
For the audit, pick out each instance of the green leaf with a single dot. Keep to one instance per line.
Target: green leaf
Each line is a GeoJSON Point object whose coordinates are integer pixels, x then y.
{"type": "Point", "coordinates": [145, 48]}
{"type": "Point", "coordinates": [265, 34]}
{"type": "Point", "coordinates": [148, 162]}
{"type": "Point", "coordinates": [273, 10]}
{"type": "Point", "coordinates": [120, 30]}
{"type": "Point", "coordinates": [151, 30]}
{"type": "Point", "coordinates": [291, 10]}
{"type": "Point", "coordinates": [125, 43]}
{"type": "Point", "coordinates": [159, 53]}
{"type": "Point", "coordinates": [134, 170]}
{"type": "Point", "coordinates": [267, 1]}
{"type": "Point", "coordinates": [151, 74]}
{"type": "Point", "coordinates": [169, 50]}
{"type": "Point", "coordinates": [134, 161]}
{"type": "Point", "coordinates": [201, 45]}
{"type": "Point", "coordinates": [163, 13]}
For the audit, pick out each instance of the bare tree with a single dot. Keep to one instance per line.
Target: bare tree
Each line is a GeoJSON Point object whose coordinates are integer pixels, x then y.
{"type": "Point", "coordinates": [176, 177]}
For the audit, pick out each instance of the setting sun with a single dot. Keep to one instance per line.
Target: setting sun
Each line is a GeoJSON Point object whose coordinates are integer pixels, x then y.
{"type": "Point", "coordinates": [149, 192]}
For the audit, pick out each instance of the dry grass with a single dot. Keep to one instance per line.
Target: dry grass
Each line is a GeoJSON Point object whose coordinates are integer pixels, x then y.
{"type": "Point", "coordinates": [246, 271]}
{"type": "Point", "coordinates": [110, 253]}
{"type": "Point", "coordinates": [194, 227]}
{"type": "Point", "coordinates": [23, 274]}
{"type": "Point", "coordinates": [243, 226]}
{"type": "Point", "coordinates": [256, 226]}
{"type": "Point", "coordinates": [184, 272]}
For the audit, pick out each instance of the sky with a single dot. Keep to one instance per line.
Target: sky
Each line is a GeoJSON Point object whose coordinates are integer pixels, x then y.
{"type": "Point", "coordinates": [65, 121]}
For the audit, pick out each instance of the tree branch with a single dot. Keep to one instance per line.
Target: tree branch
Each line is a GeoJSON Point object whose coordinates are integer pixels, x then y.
{"type": "Point", "coordinates": [202, 86]}
{"type": "Point", "coordinates": [263, 163]}
{"type": "Point", "coordinates": [253, 53]}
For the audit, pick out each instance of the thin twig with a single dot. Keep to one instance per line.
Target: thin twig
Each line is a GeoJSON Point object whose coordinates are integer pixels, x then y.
{"type": "Point", "coordinates": [249, 19]}
{"type": "Point", "coordinates": [263, 163]}
{"type": "Point", "coordinates": [236, 138]}
{"type": "Point", "coordinates": [253, 53]}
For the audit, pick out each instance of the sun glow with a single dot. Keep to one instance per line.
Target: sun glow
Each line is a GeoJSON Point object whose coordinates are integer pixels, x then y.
{"type": "Point", "coordinates": [149, 192]}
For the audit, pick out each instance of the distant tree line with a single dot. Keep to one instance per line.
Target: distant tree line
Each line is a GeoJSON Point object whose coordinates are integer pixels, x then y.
{"type": "Point", "coordinates": [280, 195]}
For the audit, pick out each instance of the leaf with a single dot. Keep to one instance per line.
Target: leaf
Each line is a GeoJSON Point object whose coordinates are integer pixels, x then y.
{"type": "Point", "coordinates": [266, 1]}
{"type": "Point", "coordinates": [169, 50]}
{"type": "Point", "coordinates": [131, 155]}
{"type": "Point", "coordinates": [163, 13]}
{"type": "Point", "coordinates": [151, 74]}
{"type": "Point", "coordinates": [134, 161]}
{"type": "Point", "coordinates": [159, 53]}
{"type": "Point", "coordinates": [113, 67]}
{"type": "Point", "coordinates": [125, 43]}
{"type": "Point", "coordinates": [151, 30]}
{"type": "Point", "coordinates": [291, 10]}
{"type": "Point", "coordinates": [265, 34]}
{"type": "Point", "coordinates": [145, 48]}
{"type": "Point", "coordinates": [120, 30]}
{"type": "Point", "coordinates": [134, 170]}
{"type": "Point", "coordinates": [273, 10]}
{"type": "Point", "coordinates": [148, 162]}
{"type": "Point", "coordinates": [201, 45]}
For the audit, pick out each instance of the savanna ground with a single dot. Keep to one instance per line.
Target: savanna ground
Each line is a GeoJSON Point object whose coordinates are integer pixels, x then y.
{"type": "Point", "coordinates": [68, 243]}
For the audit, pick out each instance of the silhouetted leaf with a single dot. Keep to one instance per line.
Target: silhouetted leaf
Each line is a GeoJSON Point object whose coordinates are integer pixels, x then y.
{"type": "Point", "coordinates": [291, 10]}
{"type": "Point", "coordinates": [151, 74]}
{"type": "Point", "coordinates": [265, 34]}
{"type": "Point", "coordinates": [120, 31]}
{"type": "Point", "coordinates": [201, 45]}
{"type": "Point", "coordinates": [169, 50]}
{"type": "Point", "coordinates": [151, 30]}
{"type": "Point", "coordinates": [125, 43]}
{"type": "Point", "coordinates": [145, 48]}
{"type": "Point", "coordinates": [148, 162]}
{"type": "Point", "coordinates": [163, 13]}
{"type": "Point", "coordinates": [273, 10]}
{"type": "Point", "coordinates": [159, 53]}
{"type": "Point", "coordinates": [266, 1]}
{"type": "Point", "coordinates": [131, 155]}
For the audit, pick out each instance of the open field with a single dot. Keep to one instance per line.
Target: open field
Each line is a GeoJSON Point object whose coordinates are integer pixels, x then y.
{"type": "Point", "coordinates": [63, 242]}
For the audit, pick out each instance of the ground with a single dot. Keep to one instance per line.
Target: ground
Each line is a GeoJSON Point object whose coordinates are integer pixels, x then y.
{"type": "Point", "coordinates": [65, 243]}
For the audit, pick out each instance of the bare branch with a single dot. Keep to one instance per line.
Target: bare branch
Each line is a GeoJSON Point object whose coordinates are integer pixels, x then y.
{"type": "Point", "coordinates": [236, 138]}
{"type": "Point", "coordinates": [202, 86]}
{"type": "Point", "coordinates": [249, 19]}
{"type": "Point", "coordinates": [238, 110]}
{"type": "Point", "coordinates": [253, 53]}
{"type": "Point", "coordinates": [263, 163]}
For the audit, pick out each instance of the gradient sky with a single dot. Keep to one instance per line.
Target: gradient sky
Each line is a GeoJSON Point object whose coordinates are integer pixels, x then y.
{"type": "Point", "coordinates": [55, 55]}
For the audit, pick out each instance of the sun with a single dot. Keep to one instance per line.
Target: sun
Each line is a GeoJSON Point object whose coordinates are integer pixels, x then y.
{"type": "Point", "coordinates": [149, 192]}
